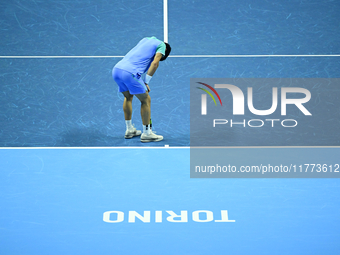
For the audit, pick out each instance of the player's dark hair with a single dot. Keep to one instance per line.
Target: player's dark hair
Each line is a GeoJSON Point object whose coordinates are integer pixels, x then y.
{"type": "Point", "coordinates": [167, 51]}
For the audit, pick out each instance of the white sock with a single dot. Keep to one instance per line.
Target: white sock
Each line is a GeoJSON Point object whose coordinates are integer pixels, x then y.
{"type": "Point", "coordinates": [128, 124]}
{"type": "Point", "coordinates": [146, 129]}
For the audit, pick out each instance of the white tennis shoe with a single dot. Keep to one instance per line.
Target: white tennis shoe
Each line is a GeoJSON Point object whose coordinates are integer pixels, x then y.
{"type": "Point", "coordinates": [151, 137]}
{"type": "Point", "coordinates": [132, 132]}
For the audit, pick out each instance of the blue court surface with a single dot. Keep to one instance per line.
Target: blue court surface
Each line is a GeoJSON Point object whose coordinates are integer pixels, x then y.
{"type": "Point", "coordinates": [54, 200]}
{"type": "Point", "coordinates": [71, 184]}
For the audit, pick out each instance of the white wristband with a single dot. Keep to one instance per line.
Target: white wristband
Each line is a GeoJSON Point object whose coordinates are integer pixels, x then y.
{"type": "Point", "coordinates": [147, 78]}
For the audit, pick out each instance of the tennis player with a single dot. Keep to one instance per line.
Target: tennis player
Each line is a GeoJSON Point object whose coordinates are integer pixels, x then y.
{"type": "Point", "coordinates": [133, 74]}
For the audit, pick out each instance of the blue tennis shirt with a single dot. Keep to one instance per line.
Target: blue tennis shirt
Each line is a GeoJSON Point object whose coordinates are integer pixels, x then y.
{"type": "Point", "coordinates": [138, 59]}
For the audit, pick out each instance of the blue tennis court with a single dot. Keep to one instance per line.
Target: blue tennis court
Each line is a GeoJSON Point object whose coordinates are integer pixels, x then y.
{"type": "Point", "coordinates": [54, 200]}
{"type": "Point", "coordinates": [71, 184]}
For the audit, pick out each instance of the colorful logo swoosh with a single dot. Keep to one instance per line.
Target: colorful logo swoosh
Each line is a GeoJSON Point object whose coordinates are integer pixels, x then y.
{"type": "Point", "coordinates": [208, 92]}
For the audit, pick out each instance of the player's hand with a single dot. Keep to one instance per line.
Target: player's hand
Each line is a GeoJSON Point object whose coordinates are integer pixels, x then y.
{"type": "Point", "coordinates": [147, 86]}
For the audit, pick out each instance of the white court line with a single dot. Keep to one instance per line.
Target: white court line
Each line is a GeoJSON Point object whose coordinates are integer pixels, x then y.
{"type": "Point", "coordinates": [249, 56]}
{"type": "Point", "coordinates": [178, 56]}
{"type": "Point", "coordinates": [91, 148]}
{"type": "Point", "coordinates": [8, 57]}
{"type": "Point", "coordinates": [170, 147]}
{"type": "Point", "coordinates": [165, 20]}
{"type": "Point", "coordinates": [263, 147]}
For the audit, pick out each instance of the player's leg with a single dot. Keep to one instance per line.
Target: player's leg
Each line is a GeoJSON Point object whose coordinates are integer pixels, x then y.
{"type": "Point", "coordinates": [127, 105]}
{"type": "Point", "coordinates": [120, 78]}
{"type": "Point", "coordinates": [131, 131]}
{"type": "Point", "coordinates": [147, 135]}
{"type": "Point", "coordinates": [145, 109]}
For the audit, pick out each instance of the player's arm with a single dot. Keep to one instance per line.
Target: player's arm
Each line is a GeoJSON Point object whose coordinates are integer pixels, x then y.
{"type": "Point", "coordinates": [155, 63]}
{"type": "Point", "coordinates": [152, 69]}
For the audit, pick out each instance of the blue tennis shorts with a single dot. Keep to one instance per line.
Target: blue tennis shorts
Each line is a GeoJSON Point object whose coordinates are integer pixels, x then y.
{"type": "Point", "coordinates": [128, 82]}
